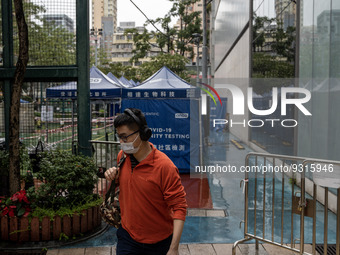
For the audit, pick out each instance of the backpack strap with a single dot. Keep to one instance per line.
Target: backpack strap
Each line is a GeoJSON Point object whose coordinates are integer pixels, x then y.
{"type": "Point", "coordinates": [112, 189]}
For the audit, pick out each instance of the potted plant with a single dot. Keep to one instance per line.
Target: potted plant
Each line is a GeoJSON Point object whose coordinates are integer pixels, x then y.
{"type": "Point", "coordinates": [63, 206]}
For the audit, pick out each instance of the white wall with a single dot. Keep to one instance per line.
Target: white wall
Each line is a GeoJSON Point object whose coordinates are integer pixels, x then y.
{"type": "Point", "coordinates": [235, 70]}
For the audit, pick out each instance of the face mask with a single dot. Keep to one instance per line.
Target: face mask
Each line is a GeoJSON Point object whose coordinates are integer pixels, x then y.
{"type": "Point", "coordinates": [128, 148]}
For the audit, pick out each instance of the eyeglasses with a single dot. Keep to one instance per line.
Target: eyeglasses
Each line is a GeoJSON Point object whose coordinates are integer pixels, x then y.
{"type": "Point", "coordinates": [124, 138]}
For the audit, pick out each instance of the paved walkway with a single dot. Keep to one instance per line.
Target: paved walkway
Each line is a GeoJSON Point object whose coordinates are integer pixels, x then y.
{"type": "Point", "coordinates": [205, 225]}
{"type": "Point", "coordinates": [191, 249]}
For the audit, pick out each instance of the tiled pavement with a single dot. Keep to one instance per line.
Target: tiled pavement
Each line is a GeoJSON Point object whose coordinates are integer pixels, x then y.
{"type": "Point", "coordinates": [193, 248]}
{"type": "Point", "coordinates": [190, 249]}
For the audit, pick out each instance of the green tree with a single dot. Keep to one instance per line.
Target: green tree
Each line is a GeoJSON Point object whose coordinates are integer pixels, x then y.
{"type": "Point", "coordinates": [284, 43]}
{"type": "Point", "coordinates": [267, 66]}
{"type": "Point", "coordinates": [260, 28]}
{"type": "Point", "coordinates": [167, 39]}
{"type": "Point", "coordinates": [102, 58]}
{"type": "Point", "coordinates": [277, 60]}
{"type": "Point", "coordinates": [175, 63]}
{"type": "Point", "coordinates": [50, 44]}
{"type": "Point", "coordinates": [142, 42]}
{"type": "Point", "coordinates": [14, 149]}
{"type": "Point", "coordinates": [118, 70]}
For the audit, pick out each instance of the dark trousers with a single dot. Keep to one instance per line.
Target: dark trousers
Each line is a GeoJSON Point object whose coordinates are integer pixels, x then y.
{"type": "Point", "coordinates": [127, 246]}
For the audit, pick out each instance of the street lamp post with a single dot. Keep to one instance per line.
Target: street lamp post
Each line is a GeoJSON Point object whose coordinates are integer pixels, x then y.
{"type": "Point", "coordinates": [205, 69]}
{"type": "Point", "coordinates": [96, 32]}
{"type": "Point", "coordinates": [196, 40]}
{"type": "Point", "coordinates": [204, 45]}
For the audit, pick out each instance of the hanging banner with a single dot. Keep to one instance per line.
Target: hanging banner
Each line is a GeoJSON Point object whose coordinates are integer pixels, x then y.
{"type": "Point", "coordinates": [172, 133]}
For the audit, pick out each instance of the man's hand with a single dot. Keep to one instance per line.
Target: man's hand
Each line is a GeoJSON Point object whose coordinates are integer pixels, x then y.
{"type": "Point", "coordinates": [111, 173]}
{"type": "Point", "coordinates": [172, 252]}
{"type": "Point", "coordinates": [176, 236]}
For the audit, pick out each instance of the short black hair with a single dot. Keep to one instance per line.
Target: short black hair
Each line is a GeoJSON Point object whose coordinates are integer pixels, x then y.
{"type": "Point", "coordinates": [126, 119]}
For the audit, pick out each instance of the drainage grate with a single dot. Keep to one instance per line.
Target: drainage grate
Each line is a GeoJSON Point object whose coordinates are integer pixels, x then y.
{"type": "Point", "coordinates": [23, 252]}
{"type": "Point", "coordinates": [331, 249]}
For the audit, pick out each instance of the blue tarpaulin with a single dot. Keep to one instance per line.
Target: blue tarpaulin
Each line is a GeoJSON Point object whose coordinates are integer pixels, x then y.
{"type": "Point", "coordinates": [171, 108]}
{"type": "Point", "coordinates": [101, 87]}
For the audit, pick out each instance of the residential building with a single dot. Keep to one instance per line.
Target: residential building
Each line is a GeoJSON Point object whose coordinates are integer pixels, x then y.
{"type": "Point", "coordinates": [103, 8]}
{"type": "Point", "coordinates": [123, 45]}
{"type": "Point", "coordinates": [60, 20]}
{"type": "Point", "coordinates": [285, 12]}
{"type": "Point", "coordinates": [104, 22]}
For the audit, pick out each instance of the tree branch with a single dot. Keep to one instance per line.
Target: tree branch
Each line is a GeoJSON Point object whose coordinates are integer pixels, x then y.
{"type": "Point", "coordinates": [14, 150]}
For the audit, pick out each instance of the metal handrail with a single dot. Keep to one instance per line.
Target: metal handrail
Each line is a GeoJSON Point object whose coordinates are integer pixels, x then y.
{"type": "Point", "coordinates": [276, 160]}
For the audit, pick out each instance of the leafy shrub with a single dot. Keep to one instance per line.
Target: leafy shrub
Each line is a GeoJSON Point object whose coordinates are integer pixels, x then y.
{"type": "Point", "coordinates": [4, 162]}
{"type": "Point", "coordinates": [68, 180]}
{"type": "Point", "coordinates": [25, 163]}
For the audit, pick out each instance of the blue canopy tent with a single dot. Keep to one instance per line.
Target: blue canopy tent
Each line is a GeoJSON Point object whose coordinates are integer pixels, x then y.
{"type": "Point", "coordinates": [125, 82]}
{"type": "Point", "coordinates": [171, 107]}
{"type": "Point", "coordinates": [101, 87]}
{"type": "Point", "coordinates": [134, 84]}
{"type": "Point", "coordinates": [103, 91]}
{"type": "Point", "coordinates": [115, 79]}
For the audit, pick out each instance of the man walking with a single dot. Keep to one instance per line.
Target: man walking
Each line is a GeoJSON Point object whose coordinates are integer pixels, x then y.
{"type": "Point", "coordinates": [152, 198]}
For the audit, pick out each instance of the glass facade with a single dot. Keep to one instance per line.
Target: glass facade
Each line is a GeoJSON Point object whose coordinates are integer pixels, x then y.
{"type": "Point", "coordinates": [319, 70]}
{"type": "Point", "coordinates": [273, 67]}
{"type": "Point", "coordinates": [231, 17]}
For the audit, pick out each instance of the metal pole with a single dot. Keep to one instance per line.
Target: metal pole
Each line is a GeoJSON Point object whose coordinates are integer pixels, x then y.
{"type": "Point", "coordinates": [338, 223]}
{"type": "Point", "coordinates": [204, 69]}
{"type": "Point", "coordinates": [204, 46]}
{"type": "Point", "coordinates": [83, 81]}
{"type": "Point", "coordinates": [302, 216]}
{"type": "Point", "coordinates": [200, 131]}
{"type": "Point", "coordinates": [197, 62]}
{"type": "Point", "coordinates": [95, 54]}
{"type": "Point", "coordinates": [7, 29]}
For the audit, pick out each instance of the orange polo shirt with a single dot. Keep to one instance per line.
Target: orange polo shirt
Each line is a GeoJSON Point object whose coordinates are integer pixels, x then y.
{"type": "Point", "coordinates": [151, 197]}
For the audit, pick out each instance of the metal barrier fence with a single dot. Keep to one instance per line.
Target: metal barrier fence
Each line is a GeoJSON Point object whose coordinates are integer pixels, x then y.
{"type": "Point", "coordinates": [105, 156]}
{"type": "Point", "coordinates": [263, 174]}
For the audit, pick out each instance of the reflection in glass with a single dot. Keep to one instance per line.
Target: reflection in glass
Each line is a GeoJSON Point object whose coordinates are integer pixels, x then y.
{"type": "Point", "coordinates": [273, 57]}
{"type": "Point", "coordinates": [318, 136]}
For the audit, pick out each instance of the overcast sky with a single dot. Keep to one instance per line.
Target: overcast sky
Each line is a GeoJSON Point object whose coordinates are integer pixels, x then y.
{"type": "Point", "coordinates": [152, 8]}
